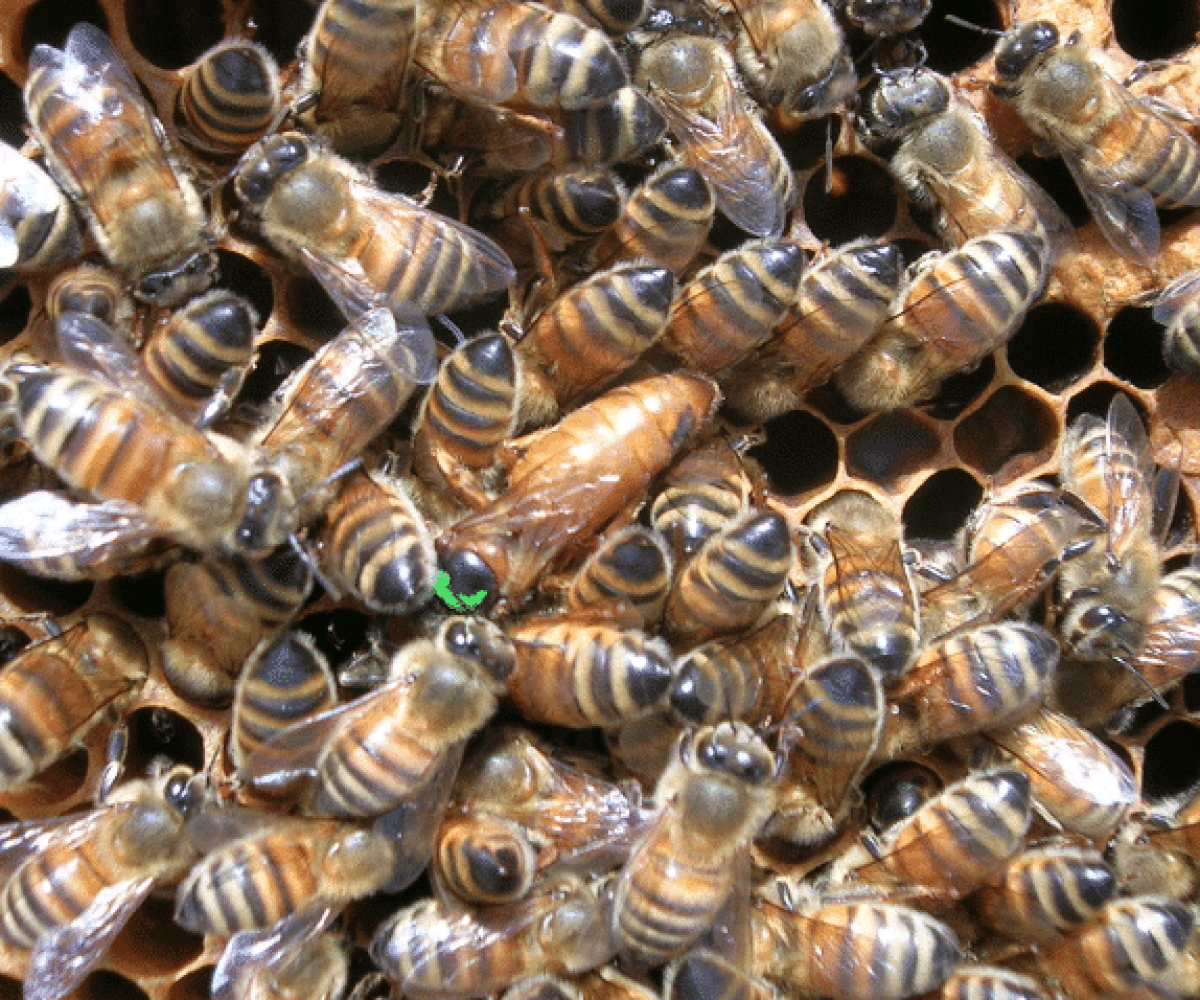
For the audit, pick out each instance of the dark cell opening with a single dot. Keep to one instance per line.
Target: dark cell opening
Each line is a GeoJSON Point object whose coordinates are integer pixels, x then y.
{"type": "Point", "coordinates": [960, 390]}
{"type": "Point", "coordinates": [1172, 763]}
{"type": "Point", "coordinates": [108, 986]}
{"type": "Point", "coordinates": [1096, 399]}
{"type": "Point", "coordinates": [173, 946]}
{"type": "Point", "coordinates": [196, 985]}
{"type": "Point", "coordinates": [1010, 423]}
{"type": "Point", "coordinates": [55, 597]}
{"type": "Point", "coordinates": [412, 180]}
{"type": "Point", "coordinates": [281, 24]}
{"type": "Point", "coordinates": [12, 113]}
{"type": "Point", "coordinates": [338, 633]}
{"type": "Point", "coordinates": [862, 202]}
{"type": "Point", "coordinates": [15, 308]}
{"type": "Point", "coordinates": [800, 453]}
{"type": "Point", "coordinates": [276, 360]}
{"type": "Point", "coordinates": [1162, 29]}
{"type": "Point", "coordinates": [896, 790]}
{"type": "Point", "coordinates": [891, 446]}
{"type": "Point", "coordinates": [1133, 348]}
{"type": "Point", "coordinates": [312, 310]}
{"type": "Point", "coordinates": [724, 235]}
{"type": "Point", "coordinates": [941, 506]}
{"type": "Point", "coordinates": [142, 595]}
{"type": "Point", "coordinates": [240, 274]}
{"type": "Point", "coordinates": [173, 33]}
{"type": "Point", "coordinates": [805, 146]}
{"type": "Point", "coordinates": [1191, 692]}
{"type": "Point", "coordinates": [1054, 347]}
{"type": "Point", "coordinates": [829, 402]}
{"type": "Point", "coordinates": [12, 641]}
{"type": "Point", "coordinates": [952, 47]}
{"type": "Point", "coordinates": [1054, 177]}
{"type": "Point", "coordinates": [1135, 722]}
{"type": "Point", "coordinates": [10, 989]}
{"type": "Point", "coordinates": [48, 22]}
{"type": "Point", "coordinates": [154, 731]}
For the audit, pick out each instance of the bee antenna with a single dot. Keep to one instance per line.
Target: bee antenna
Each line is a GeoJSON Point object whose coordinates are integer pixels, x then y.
{"type": "Point", "coordinates": [1153, 692]}
{"type": "Point", "coordinates": [970, 26]}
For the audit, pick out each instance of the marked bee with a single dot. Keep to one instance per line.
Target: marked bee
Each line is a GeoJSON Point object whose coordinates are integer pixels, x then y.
{"type": "Point", "coordinates": [228, 99]}
{"type": "Point", "coordinates": [692, 79]}
{"type": "Point", "coordinates": [38, 228]}
{"type": "Point", "coordinates": [106, 149]}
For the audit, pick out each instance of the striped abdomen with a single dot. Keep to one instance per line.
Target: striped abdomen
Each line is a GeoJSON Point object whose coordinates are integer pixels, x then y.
{"type": "Point", "coordinates": [229, 97]}
{"type": "Point", "coordinates": [631, 571]}
{"type": "Point", "coordinates": [666, 221]}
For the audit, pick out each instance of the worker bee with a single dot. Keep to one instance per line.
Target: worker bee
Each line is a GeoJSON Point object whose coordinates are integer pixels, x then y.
{"type": "Point", "coordinates": [842, 300]}
{"type": "Point", "coordinates": [717, 791]}
{"type": "Point", "coordinates": [702, 493]}
{"type": "Point", "coordinates": [1172, 638]}
{"type": "Point", "coordinates": [989, 677]}
{"type": "Point", "coordinates": [730, 307]}
{"type": "Point", "coordinates": [1016, 544]}
{"type": "Point", "coordinates": [619, 129]}
{"type": "Point", "coordinates": [217, 612]}
{"type": "Point", "coordinates": [55, 691]}
{"type": "Point", "coordinates": [627, 577]}
{"type": "Point", "coordinates": [703, 974]}
{"type": "Point", "coordinates": [91, 290]}
{"type": "Point", "coordinates": [948, 161]}
{"type": "Point", "coordinates": [591, 332]}
{"type": "Point", "coordinates": [284, 680]}
{"type": "Point", "coordinates": [1109, 591]}
{"type": "Point", "coordinates": [953, 310]}
{"type": "Point", "coordinates": [1177, 307]}
{"type": "Point", "coordinates": [296, 959]}
{"type": "Point", "coordinates": [728, 584]}
{"type": "Point", "coordinates": [573, 479]}
{"type": "Point", "coordinates": [866, 597]}
{"type": "Point", "coordinates": [896, 790]}
{"type": "Point", "coordinates": [104, 146]}
{"type": "Point", "coordinates": [228, 99]}
{"type": "Point", "coordinates": [855, 951]}
{"type": "Point", "coordinates": [1133, 943]}
{"type": "Point", "coordinates": [1154, 850]}
{"type": "Point", "coordinates": [401, 743]}
{"type": "Point", "coordinates": [375, 546]}
{"type": "Point", "coordinates": [1045, 891]}
{"type": "Point", "coordinates": [692, 79]}
{"type": "Point", "coordinates": [480, 857]}
{"type": "Point", "coordinates": [367, 247]}
{"type": "Point", "coordinates": [665, 221]}
{"type": "Point", "coordinates": [169, 480]}
{"type": "Point", "coordinates": [38, 228]}
{"type": "Point", "coordinates": [430, 949]}
{"type": "Point", "coordinates": [578, 674]}
{"type": "Point", "coordinates": [1076, 780]}
{"type": "Point", "coordinates": [885, 18]}
{"type": "Point", "coordinates": [951, 845]}
{"type": "Point", "coordinates": [354, 66]}
{"type": "Point", "coordinates": [1125, 155]}
{"type": "Point", "coordinates": [517, 52]}
{"type": "Point", "coordinates": [973, 982]}
{"type": "Point", "coordinates": [72, 882]}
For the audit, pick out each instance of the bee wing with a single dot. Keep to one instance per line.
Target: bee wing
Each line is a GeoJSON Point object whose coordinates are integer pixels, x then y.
{"type": "Point", "coordinates": [1178, 296]}
{"type": "Point", "coordinates": [20, 841]}
{"type": "Point", "coordinates": [1129, 497]}
{"type": "Point", "coordinates": [30, 195]}
{"type": "Point", "coordinates": [1125, 214]}
{"type": "Point", "coordinates": [850, 557]}
{"type": "Point", "coordinates": [95, 539]}
{"type": "Point", "coordinates": [62, 958]}
{"type": "Point", "coordinates": [91, 345]}
{"type": "Point", "coordinates": [219, 823]}
{"type": "Point", "coordinates": [471, 55]}
{"type": "Point", "coordinates": [269, 949]}
{"type": "Point", "coordinates": [90, 49]}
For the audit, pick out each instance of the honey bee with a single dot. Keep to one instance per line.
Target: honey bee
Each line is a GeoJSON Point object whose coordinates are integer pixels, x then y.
{"type": "Point", "coordinates": [375, 546]}
{"type": "Point", "coordinates": [712, 799]}
{"type": "Point", "coordinates": [972, 982]}
{"type": "Point", "coordinates": [614, 16]}
{"type": "Point", "coordinates": [517, 52]}
{"type": "Point", "coordinates": [842, 300]}
{"type": "Point", "coordinates": [703, 974]}
{"type": "Point", "coordinates": [591, 332]}
{"type": "Point", "coordinates": [1133, 943]}
{"type": "Point", "coordinates": [665, 221]}
{"type": "Point", "coordinates": [401, 744]}
{"type": "Point", "coordinates": [217, 612]}
{"type": "Point", "coordinates": [745, 676]}
{"type": "Point", "coordinates": [72, 882]}
{"type": "Point", "coordinates": [284, 680]}
{"type": "Point", "coordinates": [702, 493]}
{"type": "Point", "coordinates": [953, 310]}
{"type": "Point", "coordinates": [948, 161]}
{"type": "Point", "coordinates": [619, 129]}
{"type": "Point", "coordinates": [1177, 307]}
{"type": "Point", "coordinates": [866, 597]}
{"type": "Point", "coordinates": [296, 959]}
{"type": "Point", "coordinates": [573, 479]}
{"type": "Point", "coordinates": [1172, 639]}
{"type": "Point", "coordinates": [38, 228]}
{"type": "Point", "coordinates": [1126, 155]}
{"type": "Point", "coordinates": [354, 67]}
{"type": "Point", "coordinates": [732, 580]}
{"type": "Point", "coordinates": [1109, 591]}
{"type": "Point", "coordinates": [885, 18]}
{"type": "Point", "coordinates": [692, 79]}
{"type": "Point", "coordinates": [730, 307]}
{"type": "Point", "coordinates": [1155, 852]}
{"type": "Point", "coordinates": [105, 148]}
{"type": "Point", "coordinates": [987, 678]}
{"type": "Point", "coordinates": [90, 290]}
{"type": "Point", "coordinates": [229, 98]}
{"type": "Point", "coordinates": [55, 691]}
{"type": "Point", "coordinates": [1076, 780]}
{"type": "Point", "coordinates": [428, 949]}
{"type": "Point", "coordinates": [951, 845]}
{"type": "Point", "coordinates": [483, 858]}
{"type": "Point", "coordinates": [896, 791]}
{"type": "Point", "coordinates": [856, 951]}
{"type": "Point", "coordinates": [368, 248]}
{"type": "Point", "coordinates": [578, 674]}
{"type": "Point", "coordinates": [1045, 891]}
{"type": "Point", "coordinates": [628, 576]}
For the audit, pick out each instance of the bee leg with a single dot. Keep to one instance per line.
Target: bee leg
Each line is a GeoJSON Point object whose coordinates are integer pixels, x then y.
{"type": "Point", "coordinates": [118, 747]}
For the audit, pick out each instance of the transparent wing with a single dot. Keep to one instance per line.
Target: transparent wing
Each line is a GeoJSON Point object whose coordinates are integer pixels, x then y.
{"type": "Point", "coordinates": [90, 48]}
{"type": "Point", "coordinates": [29, 194]}
{"type": "Point", "coordinates": [1125, 214]}
{"type": "Point", "coordinates": [19, 841]}
{"type": "Point", "coordinates": [91, 345]}
{"type": "Point", "coordinates": [1130, 498]}
{"type": "Point", "coordinates": [62, 958]}
{"type": "Point", "coordinates": [1177, 298]}
{"type": "Point", "coordinates": [271, 949]}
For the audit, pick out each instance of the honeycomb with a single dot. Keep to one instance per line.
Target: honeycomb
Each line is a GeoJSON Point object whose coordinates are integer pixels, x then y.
{"type": "Point", "coordinates": [1002, 423]}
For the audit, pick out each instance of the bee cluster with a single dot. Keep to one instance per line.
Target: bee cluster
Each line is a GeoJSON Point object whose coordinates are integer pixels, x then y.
{"type": "Point", "coordinates": [736, 613]}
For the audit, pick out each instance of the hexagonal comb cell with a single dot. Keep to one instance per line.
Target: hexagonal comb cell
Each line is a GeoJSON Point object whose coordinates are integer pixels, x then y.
{"type": "Point", "coordinates": [1013, 422]}
{"type": "Point", "coordinates": [892, 446]}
